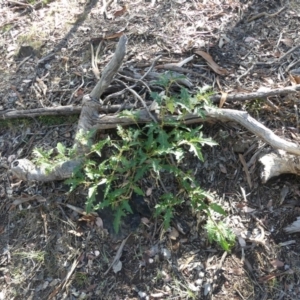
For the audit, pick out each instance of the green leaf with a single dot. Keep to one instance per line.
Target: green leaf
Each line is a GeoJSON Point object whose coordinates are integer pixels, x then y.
{"type": "Point", "coordinates": [133, 115]}
{"type": "Point", "coordinates": [140, 172]}
{"type": "Point", "coordinates": [117, 219]}
{"type": "Point", "coordinates": [138, 190]}
{"type": "Point", "coordinates": [126, 206]}
{"type": "Point", "coordinates": [217, 208]}
{"type": "Point", "coordinates": [167, 217]}
{"type": "Point", "coordinates": [221, 234]}
{"type": "Point", "coordinates": [194, 148]}
{"type": "Point", "coordinates": [163, 140]}
{"type": "Point", "coordinates": [61, 148]}
{"type": "Point", "coordinates": [91, 198]}
{"type": "Point", "coordinates": [155, 166]}
{"type": "Point", "coordinates": [156, 97]}
{"type": "Point", "coordinates": [170, 105]}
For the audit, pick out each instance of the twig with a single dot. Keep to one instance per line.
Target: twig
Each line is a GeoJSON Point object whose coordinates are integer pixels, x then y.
{"type": "Point", "coordinates": [264, 14]}
{"type": "Point", "coordinates": [94, 59]}
{"type": "Point", "coordinates": [118, 254]}
{"type": "Point", "coordinates": [110, 70]}
{"type": "Point", "coordinates": [212, 115]}
{"type": "Point", "coordinates": [280, 58]}
{"type": "Point", "coordinates": [141, 99]}
{"type": "Point", "coordinates": [65, 280]}
{"type": "Point", "coordinates": [105, 101]}
{"type": "Point", "coordinates": [219, 266]}
{"type": "Point", "coordinates": [43, 59]}
{"type": "Point", "coordinates": [244, 74]}
{"type": "Point", "coordinates": [258, 94]}
{"type": "Point", "coordinates": [276, 108]}
{"type": "Point", "coordinates": [289, 52]}
{"type": "Point", "coordinates": [72, 95]}
{"type": "Point", "coordinates": [59, 111]}
{"type": "Point", "coordinates": [20, 3]}
{"type": "Point", "coordinates": [182, 70]}
{"type": "Point", "coordinates": [151, 67]}
{"type": "Point", "coordinates": [22, 62]}
{"type": "Point", "coordinates": [105, 5]}
{"type": "Point", "coordinates": [242, 160]}
{"type": "Point", "coordinates": [135, 80]}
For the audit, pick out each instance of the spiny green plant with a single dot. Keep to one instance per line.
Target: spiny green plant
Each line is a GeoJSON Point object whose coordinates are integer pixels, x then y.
{"type": "Point", "coordinates": [157, 150]}
{"type": "Point", "coordinates": [49, 161]}
{"type": "Point", "coordinates": [220, 233]}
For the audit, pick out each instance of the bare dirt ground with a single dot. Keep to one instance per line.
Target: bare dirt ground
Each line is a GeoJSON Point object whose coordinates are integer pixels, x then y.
{"type": "Point", "coordinates": [47, 251]}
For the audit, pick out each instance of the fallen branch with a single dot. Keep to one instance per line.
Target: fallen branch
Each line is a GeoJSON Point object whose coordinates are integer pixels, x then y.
{"type": "Point", "coordinates": [212, 115]}
{"type": "Point", "coordinates": [70, 110]}
{"type": "Point", "coordinates": [90, 119]}
{"type": "Point", "coordinates": [275, 164]}
{"type": "Point", "coordinates": [61, 111]}
{"type": "Point", "coordinates": [26, 170]}
{"type": "Point", "coordinates": [257, 94]}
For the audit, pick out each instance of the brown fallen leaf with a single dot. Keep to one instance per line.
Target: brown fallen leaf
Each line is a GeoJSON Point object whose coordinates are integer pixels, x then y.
{"type": "Point", "coordinates": [211, 63]}
{"type": "Point", "coordinates": [277, 263]}
{"type": "Point", "coordinates": [288, 42]}
{"type": "Point", "coordinates": [99, 39]}
{"type": "Point", "coordinates": [173, 235]}
{"type": "Point", "coordinates": [223, 99]}
{"type": "Point", "coordinates": [222, 168]}
{"type": "Point", "coordinates": [295, 76]}
{"type": "Point", "coordinates": [273, 275]}
{"type": "Point", "coordinates": [120, 12]}
{"type": "Point", "coordinates": [114, 35]}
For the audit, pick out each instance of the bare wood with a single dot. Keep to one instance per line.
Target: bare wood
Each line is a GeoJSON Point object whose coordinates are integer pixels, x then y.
{"type": "Point", "coordinates": [90, 119]}
{"type": "Point", "coordinates": [111, 69]}
{"type": "Point", "coordinates": [37, 112]}
{"type": "Point", "coordinates": [258, 94]}
{"type": "Point", "coordinates": [244, 119]}
{"type": "Point", "coordinates": [61, 111]}
{"type": "Point", "coordinates": [91, 105]}
{"type": "Point", "coordinates": [69, 110]}
{"type": "Point", "coordinates": [212, 115]}
{"type": "Point", "coordinates": [275, 164]}
{"type": "Point", "coordinates": [26, 170]}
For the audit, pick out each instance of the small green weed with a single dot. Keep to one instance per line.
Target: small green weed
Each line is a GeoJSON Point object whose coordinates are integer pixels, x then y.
{"type": "Point", "coordinates": [255, 106]}
{"type": "Point", "coordinates": [81, 279]}
{"type": "Point", "coordinates": [157, 150]}
{"type": "Point", "coordinates": [221, 234]}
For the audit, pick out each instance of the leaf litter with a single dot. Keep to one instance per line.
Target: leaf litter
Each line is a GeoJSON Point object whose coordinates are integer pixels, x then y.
{"type": "Point", "coordinates": [60, 241]}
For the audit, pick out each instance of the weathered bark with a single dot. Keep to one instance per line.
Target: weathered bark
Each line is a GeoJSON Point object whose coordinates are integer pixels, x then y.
{"type": "Point", "coordinates": [69, 110]}
{"type": "Point", "coordinates": [26, 170]}
{"type": "Point", "coordinates": [212, 115]}
{"type": "Point", "coordinates": [294, 227]}
{"type": "Point", "coordinates": [258, 94]}
{"type": "Point", "coordinates": [273, 165]}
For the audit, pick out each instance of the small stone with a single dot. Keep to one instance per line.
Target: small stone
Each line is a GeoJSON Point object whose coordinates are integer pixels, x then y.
{"type": "Point", "coordinates": [166, 253]}
{"type": "Point", "coordinates": [201, 274]}
{"type": "Point", "coordinates": [207, 288]}
{"type": "Point", "coordinates": [142, 295]}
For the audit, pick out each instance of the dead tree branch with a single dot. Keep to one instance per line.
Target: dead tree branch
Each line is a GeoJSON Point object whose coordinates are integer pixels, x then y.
{"type": "Point", "coordinates": [90, 119]}
{"type": "Point", "coordinates": [26, 170]}
{"type": "Point", "coordinates": [70, 110]}
{"type": "Point", "coordinates": [257, 94]}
